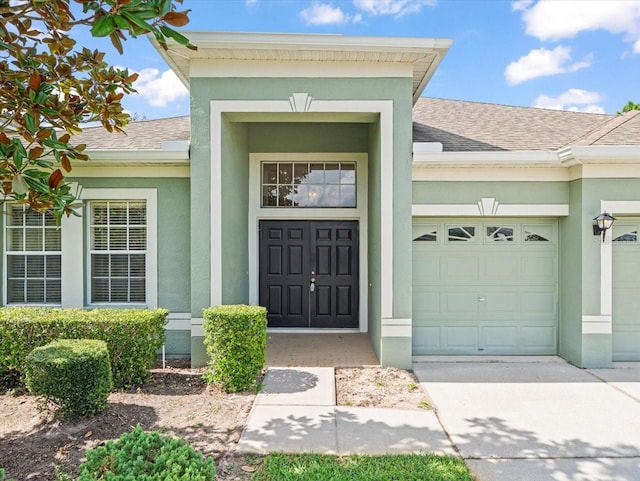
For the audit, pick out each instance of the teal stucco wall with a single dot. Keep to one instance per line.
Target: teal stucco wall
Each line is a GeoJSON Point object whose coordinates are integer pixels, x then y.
{"type": "Point", "coordinates": [269, 134]}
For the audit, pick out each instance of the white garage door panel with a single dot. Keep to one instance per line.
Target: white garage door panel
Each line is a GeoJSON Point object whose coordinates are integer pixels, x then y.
{"type": "Point", "coordinates": [491, 288]}
{"type": "Point", "coordinates": [626, 290]}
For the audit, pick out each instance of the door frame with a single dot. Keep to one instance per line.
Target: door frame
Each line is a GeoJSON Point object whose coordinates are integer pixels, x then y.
{"type": "Point", "coordinates": [359, 213]}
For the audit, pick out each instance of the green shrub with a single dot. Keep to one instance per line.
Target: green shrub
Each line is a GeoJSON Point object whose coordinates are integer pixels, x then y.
{"type": "Point", "coordinates": [2, 476]}
{"type": "Point", "coordinates": [74, 374]}
{"type": "Point", "coordinates": [236, 338]}
{"type": "Point", "coordinates": [133, 337]}
{"type": "Point", "coordinates": [144, 456]}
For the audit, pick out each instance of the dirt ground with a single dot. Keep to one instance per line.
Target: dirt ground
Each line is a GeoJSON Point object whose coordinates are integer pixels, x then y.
{"type": "Point", "coordinates": [34, 443]}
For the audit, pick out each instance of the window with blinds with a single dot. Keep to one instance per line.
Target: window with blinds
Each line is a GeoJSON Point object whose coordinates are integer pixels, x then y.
{"type": "Point", "coordinates": [33, 257]}
{"type": "Point", "coordinates": [118, 251]}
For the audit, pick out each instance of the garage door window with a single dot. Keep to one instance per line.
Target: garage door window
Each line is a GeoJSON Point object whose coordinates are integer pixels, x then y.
{"type": "Point", "coordinates": [537, 233]}
{"type": "Point", "coordinates": [628, 235]}
{"type": "Point", "coordinates": [499, 234]}
{"type": "Point", "coordinates": [461, 234]}
{"type": "Point", "coordinates": [425, 233]}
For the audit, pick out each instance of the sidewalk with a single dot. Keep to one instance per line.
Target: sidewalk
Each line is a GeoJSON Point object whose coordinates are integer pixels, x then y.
{"type": "Point", "coordinates": [296, 412]}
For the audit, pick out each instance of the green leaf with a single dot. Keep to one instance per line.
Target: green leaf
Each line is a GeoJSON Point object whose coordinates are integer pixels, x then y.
{"type": "Point", "coordinates": [169, 32]}
{"type": "Point", "coordinates": [136, 20]}
{"type": "Point", "coordinates": [30, 123]}
{"type": "Point", "coordinates": [104, 26]}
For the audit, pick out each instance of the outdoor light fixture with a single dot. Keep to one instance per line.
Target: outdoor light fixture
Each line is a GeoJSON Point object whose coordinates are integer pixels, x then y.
{"type": "Point", "coordinates": [603, 222]}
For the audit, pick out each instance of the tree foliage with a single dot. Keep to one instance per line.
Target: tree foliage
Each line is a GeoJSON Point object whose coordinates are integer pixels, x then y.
{"type": "Point", "coordinates": [629, 107]}
{"type": "Point", "coordinates": [49, 86]}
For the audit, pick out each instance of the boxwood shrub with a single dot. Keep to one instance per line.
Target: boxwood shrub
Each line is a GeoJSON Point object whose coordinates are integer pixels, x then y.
{"type": "Point", "coordinates": [74, 374]}
{"type": "Point", "coordinates": [133, 337]}
{"type": "Point", "coordinates": [146, 457]}
{"type": "Point", "coordinates": [235, 337]}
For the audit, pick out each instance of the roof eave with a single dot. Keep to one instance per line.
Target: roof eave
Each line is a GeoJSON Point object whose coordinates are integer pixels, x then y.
{"type": "Point", "coordinates": [519, 158]}
{"type": "Point", "coordinates": [599, 154]}
{"type": "Point", "coordinates": [436, 47]}
{"type": "Point", "coordinates": [139, 157]}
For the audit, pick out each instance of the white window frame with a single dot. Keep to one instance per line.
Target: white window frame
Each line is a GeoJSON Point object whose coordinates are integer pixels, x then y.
{"type": "Point", "coordinates": [359, 213]}
{"type": "Point", "coordinates": [6, 253]}
{"type": "Point", "coordinates": [151, 263]}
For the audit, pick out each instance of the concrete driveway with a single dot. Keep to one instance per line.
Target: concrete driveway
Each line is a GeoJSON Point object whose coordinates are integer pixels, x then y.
{"type": "Point", "coordinates": [538, 418]}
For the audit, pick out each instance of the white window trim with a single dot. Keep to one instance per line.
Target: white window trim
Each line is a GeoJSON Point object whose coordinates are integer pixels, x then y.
{"type": "Point", "coordinates": [359, 213]}
{"type": "Point", "coordinates": [5, 282]}
{"type": "Point", "coordinates": [75, 277]}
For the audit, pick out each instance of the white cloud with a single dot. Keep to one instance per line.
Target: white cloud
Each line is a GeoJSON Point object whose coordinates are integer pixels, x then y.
{"type": "Point", "coordinates": [250, 3]}
{"type": "Point", "coordinates": [397, 8]}
{"type": "Point", "coordinates": [560, 19]}
{"type": "Point", "coordinates": [159, 89]}
{"type": "Point", "coordinates": [520, 5]}
{"type": "Point", "coordinates": [541, 63]}
{"type": "Point", "coordinates": [324, 14]}
{"type": "Point", "coordinates": [575, 100]}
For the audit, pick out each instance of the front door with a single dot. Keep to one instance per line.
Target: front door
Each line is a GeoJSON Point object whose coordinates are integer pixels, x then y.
{"type": "Point", "coordinates": [309, 273]}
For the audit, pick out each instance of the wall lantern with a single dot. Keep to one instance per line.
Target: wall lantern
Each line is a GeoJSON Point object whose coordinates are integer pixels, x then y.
{"type": "Point", "coordinates": [603, 222]}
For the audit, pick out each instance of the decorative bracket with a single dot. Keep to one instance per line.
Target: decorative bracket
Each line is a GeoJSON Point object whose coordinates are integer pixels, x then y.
{"type": "Point", "coordinates": [300, 101]}
{"type": "Point", "coordinates": [488, 206]}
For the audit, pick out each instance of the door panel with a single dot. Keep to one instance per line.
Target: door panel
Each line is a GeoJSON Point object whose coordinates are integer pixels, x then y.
{"type": "Point", "coordinates": [284, 284]}
{"type": "Point", "coordinates": [485, 295]}
{"type": "Point", "coordinates": [296, 254]}
{"type": "Point", "coordinates": [626, 287]}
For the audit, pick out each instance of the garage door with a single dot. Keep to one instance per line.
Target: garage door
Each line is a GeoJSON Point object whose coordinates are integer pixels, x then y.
{"type": "Point", "coordinates": [626, 290]}
{"type": "Point", "coordinates": [486, 286]}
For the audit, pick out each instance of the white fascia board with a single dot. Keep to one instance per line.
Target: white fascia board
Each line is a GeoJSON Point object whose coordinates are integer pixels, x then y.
{"type": "Point", "coordinates": [226, 68]}
{"type": "Point", "coordinates": [292, 41]}
{"type": "Point", "coordinates": [600, 154]}
{"type": "Point", "coordinates": [520, 158]}
{"type": "Point", "coordinates": [129, 157]}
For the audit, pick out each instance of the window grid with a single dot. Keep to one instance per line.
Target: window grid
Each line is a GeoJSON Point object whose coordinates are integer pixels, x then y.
{"type": "Point", "coordinates": [33, 257]}
{"type": "Point", "coordinates": [308, 184]}
{"type": "Point", "coordinates": [118, 251]}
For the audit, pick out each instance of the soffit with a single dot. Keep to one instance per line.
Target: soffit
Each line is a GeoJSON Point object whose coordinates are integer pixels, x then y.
{"type": "Point", "coordinates": [424, 54]}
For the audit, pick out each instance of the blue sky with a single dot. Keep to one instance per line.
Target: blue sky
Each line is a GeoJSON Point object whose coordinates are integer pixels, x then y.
{"type": "Point", "coordinates": [574, 55]}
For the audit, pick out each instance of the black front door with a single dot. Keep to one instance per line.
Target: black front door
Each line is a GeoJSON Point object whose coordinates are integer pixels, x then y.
{"type": "Point", "coordinates": [309, 273]}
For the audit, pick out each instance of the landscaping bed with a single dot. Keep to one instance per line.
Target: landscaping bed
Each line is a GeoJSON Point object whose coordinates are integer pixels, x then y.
{"type": "Point", "coordinates": [175, 402]}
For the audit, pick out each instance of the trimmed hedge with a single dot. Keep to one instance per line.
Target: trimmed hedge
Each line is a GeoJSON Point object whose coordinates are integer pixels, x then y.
{"type": "Point", "coordinates": [74, 374]}
{"type": "Point", "coordinates": [133, 337]}
{"type": "Point", "coordinates": [235, 337]}
{"type": "Point", "coordinates": [146, 457]}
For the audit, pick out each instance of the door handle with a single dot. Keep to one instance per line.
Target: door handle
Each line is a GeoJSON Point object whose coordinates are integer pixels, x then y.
{"type": "Point", "coordinates": [481, 299]}
{"type": "Point", "coordinates": [312, 287]}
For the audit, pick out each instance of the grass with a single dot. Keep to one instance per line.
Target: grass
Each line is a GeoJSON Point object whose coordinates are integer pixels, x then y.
{"type": "Point", "coordinates": [317, 467]}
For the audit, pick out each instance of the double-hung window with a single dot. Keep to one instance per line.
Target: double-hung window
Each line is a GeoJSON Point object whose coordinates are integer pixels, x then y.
{"type": "Point", "coordinates": [118, 251]}
{"type": "Point", "coordinates": [33, 248]}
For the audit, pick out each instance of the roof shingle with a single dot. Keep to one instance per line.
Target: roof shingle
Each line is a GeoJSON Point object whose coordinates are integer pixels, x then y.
{"type": "Point", "coordinates": [141, 135]}
{"type": "Point", "coordinates": [472, 126]}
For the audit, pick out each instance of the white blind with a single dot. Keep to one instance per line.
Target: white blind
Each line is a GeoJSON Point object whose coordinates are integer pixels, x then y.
{"type": "Point", "coordinates": [118, 243]}
{"type": "Point", "coordinates": [33, 257]}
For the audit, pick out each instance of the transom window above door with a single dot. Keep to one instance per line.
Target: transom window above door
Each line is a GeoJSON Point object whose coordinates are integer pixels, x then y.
{"type": "Point", "coordinates": [308, 184]}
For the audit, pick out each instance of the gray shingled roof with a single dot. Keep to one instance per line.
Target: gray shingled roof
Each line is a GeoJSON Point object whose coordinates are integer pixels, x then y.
{"type": "Point", "coordinates": [621, 130]}
{"type": "Point", "coordinates": [460, 126]}
{"type": "Point", "coordinates": [141, 135]}
{"type": "Point", "coordinates": [473, 126]}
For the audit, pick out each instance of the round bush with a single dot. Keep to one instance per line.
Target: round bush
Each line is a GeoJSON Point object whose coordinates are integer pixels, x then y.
{"type": "Point", "coordinates": [74, 374]}
{"type": "Point", "coordinates": [146, 457]}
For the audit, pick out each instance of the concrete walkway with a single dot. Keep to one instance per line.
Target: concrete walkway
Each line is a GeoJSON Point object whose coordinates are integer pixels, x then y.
{"type": "Point", "coordinates": [511, 419]}
{"type": "Point", "coordinates": [296, 412]}
{"type": "Point", "coordinates": [538, 419]}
